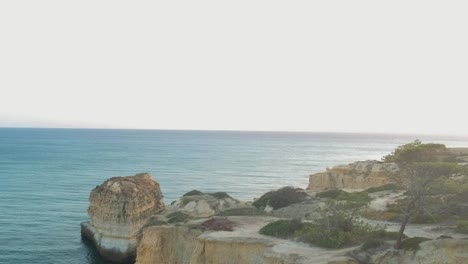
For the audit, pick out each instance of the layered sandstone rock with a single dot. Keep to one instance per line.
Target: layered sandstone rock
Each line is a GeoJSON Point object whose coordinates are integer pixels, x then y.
{"type": "Point", "coordinates": [357, 175]}
{"type": "Point", "coordinates": [181, 245]}
{"type": "Point", "coordinates": [118, 209]}
{"type": "Point", "coordinates": [441, 251]}
{"type": "Point", "coordinates": [206, 205]}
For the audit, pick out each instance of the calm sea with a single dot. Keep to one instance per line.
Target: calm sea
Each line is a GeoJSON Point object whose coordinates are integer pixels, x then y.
{"type": "Point", "coordinates": [46, 174]}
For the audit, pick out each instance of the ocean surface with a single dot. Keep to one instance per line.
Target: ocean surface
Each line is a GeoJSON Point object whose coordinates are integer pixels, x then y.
{"type": "Point", "coordinates": [46, 174]}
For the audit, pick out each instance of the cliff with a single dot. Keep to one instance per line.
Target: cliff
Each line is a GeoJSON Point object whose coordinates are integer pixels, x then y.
{"type": "Point", "coordinates": [357, 175]}
{"type": "Point", "coordinates": [118, 210]}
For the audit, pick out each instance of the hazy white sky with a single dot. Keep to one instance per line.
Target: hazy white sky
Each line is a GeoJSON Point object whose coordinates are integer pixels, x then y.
{"type": "Point", "coordinates": [358, 66]}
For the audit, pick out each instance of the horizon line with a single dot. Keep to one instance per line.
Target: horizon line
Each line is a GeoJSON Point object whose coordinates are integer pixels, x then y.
{"type": "Point", "coordinates": [238, 130]}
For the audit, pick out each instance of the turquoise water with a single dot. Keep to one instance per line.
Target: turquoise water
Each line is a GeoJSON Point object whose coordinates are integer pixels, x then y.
{"type": "Point", "coordinates": [46, 174]}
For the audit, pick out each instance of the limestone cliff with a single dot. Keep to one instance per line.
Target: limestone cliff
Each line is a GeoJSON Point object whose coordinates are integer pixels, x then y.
{"type": "Point", "coordinates": [357, 175]}
{"type": "Point", "coordinates": [441, 251]}
{"type": "Point", "coordinates": [118, 210]}
{"type": "Point", "coordinates": [181, 245]}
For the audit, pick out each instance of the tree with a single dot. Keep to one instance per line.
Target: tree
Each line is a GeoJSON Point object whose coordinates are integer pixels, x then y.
{"type": "Point", "coordinates": [419, 169]}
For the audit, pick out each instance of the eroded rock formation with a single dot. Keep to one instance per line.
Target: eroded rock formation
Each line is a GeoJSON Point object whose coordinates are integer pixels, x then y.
{"type": "Point", "coordinates": [177, 245]}
{"type": "Point", "coordinates": [205, 205]}
{"type": "Point", "coordinates": [118, 209]}
{"type": "Point", "coordinates": [357, 175]}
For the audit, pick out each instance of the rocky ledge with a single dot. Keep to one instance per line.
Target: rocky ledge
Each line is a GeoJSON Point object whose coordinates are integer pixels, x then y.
{"type": "Point", "coordinates": [118, 210]}
{"type": "Point", "coordinates": [357, 175]}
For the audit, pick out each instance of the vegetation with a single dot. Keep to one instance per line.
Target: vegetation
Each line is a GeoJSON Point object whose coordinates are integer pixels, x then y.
{"type": "Point", "coordinates": [220, 195]}
{"type": "Point", "coordinates": [359, 198]}
{"type": "Point", "coordinates": [192, 193]}
{"type": "Point", "coordinates": [281, 198]}
{"type": "Point", "coordinates": [153, 221]}
{"type": "Point", "coordinates": [373, 243]}
{"type": "Point", "coordinates": [242, 211]}
{"type": "Point", "coordinates": [337, 226]}
{"type": "Point", "coordinates": [413, 243]}
{"type": "Point", "coordinates": [386, 187]}
{"type": "Point", "coordinates": [420, 168]}
{"type": "Point", "coordinates": [217, 224]}
{"type": "Point", "coordinates": [282, 228]}
{"type": "Point", "coordinates": [177, 217]}
{"type": "Point", "coordinates": [462, 226]}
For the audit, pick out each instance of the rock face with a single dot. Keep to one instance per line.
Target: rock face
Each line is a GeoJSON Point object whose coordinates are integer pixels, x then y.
{"type": "Point", "coordinates": [177, 245]}
{"type": "Point", "coordinates": [118, 209]}
{"type": "Point", "coordinates": [205, 205]}
{"type": "Point", "coordinates": [441, 251]}
{"type": "Point", "coordinates": [357, 175]}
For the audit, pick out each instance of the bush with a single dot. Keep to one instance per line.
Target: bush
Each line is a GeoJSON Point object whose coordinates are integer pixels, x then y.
{"type": "Point", "coordinates": [220, 195]}
{"type": "Point", "coordinates": [242, 211]}
{"type": "Point", "coordinates": [462, 226]}
{"type": "Point", "coordinates": [217, 224]}
{"type": "Point", "coordinates": [280, 198]}
{"type": "Point", "coordinates": [193, 192]}
{"type": "Point", "coordinates": [386, 187]}
{"type": "Point", "coordinates": [153, 221]}
{"type": "Point", "coordinates": [282, 228]}
{"type": "Point", "coordinates": [413, 243]}
{"type": "Point", "coordinates": [372, 243]}
{"type": "Point", "coordinates": [177, 217]}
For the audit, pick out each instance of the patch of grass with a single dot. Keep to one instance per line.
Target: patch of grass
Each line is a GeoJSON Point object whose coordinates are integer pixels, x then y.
{"type": "Point", "coordinates": [242, 211]}
{"type": "Point", "coordinates": [153, 221]}
{"type": "Point", "coordinates": [177, 217]}
{"type": "Point", "coordinates": [413, 243]}
{"type": "Point", "coordinates": [386, 187]}
{"type": "Point", "coordinates": [192, 193]}
{"type": "Point", "coordinates": [332, 194]}
{"type": "Point", "coordinates": [220, 195]}
{"type": "Point", "coordinates": [217, 224]}
{"type": "Point", "coordinates": [282, 228]}
{"type": "Point", "coordinates": [280, 198]}
{"type": "Point", "coordinates": [462, 226]}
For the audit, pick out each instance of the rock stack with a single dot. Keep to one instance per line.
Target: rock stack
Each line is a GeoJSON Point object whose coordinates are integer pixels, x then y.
{"type": "Point", "coordinates": [118, 210]}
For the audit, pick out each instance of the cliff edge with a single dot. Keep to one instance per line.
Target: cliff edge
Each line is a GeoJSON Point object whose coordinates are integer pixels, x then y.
{"type": "Point", "coordinates": [357, 175]}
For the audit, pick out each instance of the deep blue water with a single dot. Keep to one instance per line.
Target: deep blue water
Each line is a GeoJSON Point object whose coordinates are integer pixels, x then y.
{"type": "Point", "coordinates": [46, 174]}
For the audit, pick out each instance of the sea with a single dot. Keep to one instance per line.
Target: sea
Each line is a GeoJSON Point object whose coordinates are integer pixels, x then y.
{"type": "Point", "coordinates": [46, 175]}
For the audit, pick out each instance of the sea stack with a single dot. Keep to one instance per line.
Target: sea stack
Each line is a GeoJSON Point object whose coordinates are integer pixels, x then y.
{"type": "Point", "coordinates": [118, 209]}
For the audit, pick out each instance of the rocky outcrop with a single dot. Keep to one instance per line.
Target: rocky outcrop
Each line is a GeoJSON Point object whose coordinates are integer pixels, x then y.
{"type": "Point", "coordinates": [118, 209]}
{"type": "Point", "coordinates": [357, 175]}
{"type": "Point", "coordinates": [441, 251]}
{"type": "Point", "coordinates": [177, 245]}
{"type": "Point", "coordinates": [206, 205]}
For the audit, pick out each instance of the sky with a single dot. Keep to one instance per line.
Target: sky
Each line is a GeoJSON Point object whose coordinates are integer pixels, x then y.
{"type": "Point", "coordinates": [328, 66]}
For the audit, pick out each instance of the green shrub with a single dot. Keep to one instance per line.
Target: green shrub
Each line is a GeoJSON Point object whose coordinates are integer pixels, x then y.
{"type": "Point", "coordinates": [242, 211]}
{"type": "Point", "coordinates": [282, 228]}
{"type": "Point", "coordinates": [177, 217]}
{"type": "Point", "coordinates": [153, 221]}
{"type": "Point", "coordinates": [462, 226]}
{"type": "Point", "coordinates": [333, 194]}
{"type": "Point", "coordinates": [372, 243]}
{"type": "Point", "coordinates": [413, 243]}
{"type": "Point", "coordinates": [193, 192]}
{"type": "Point", "coordinates": [280, 198]}
{"type": "Point", "coordinates": [220, 195]}
{"type": "Point", "coordinates": [386, 187]}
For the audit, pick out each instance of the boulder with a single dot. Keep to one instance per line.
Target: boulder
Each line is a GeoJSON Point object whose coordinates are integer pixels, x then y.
{"type": "Point", "coordinates": [118, 210]}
